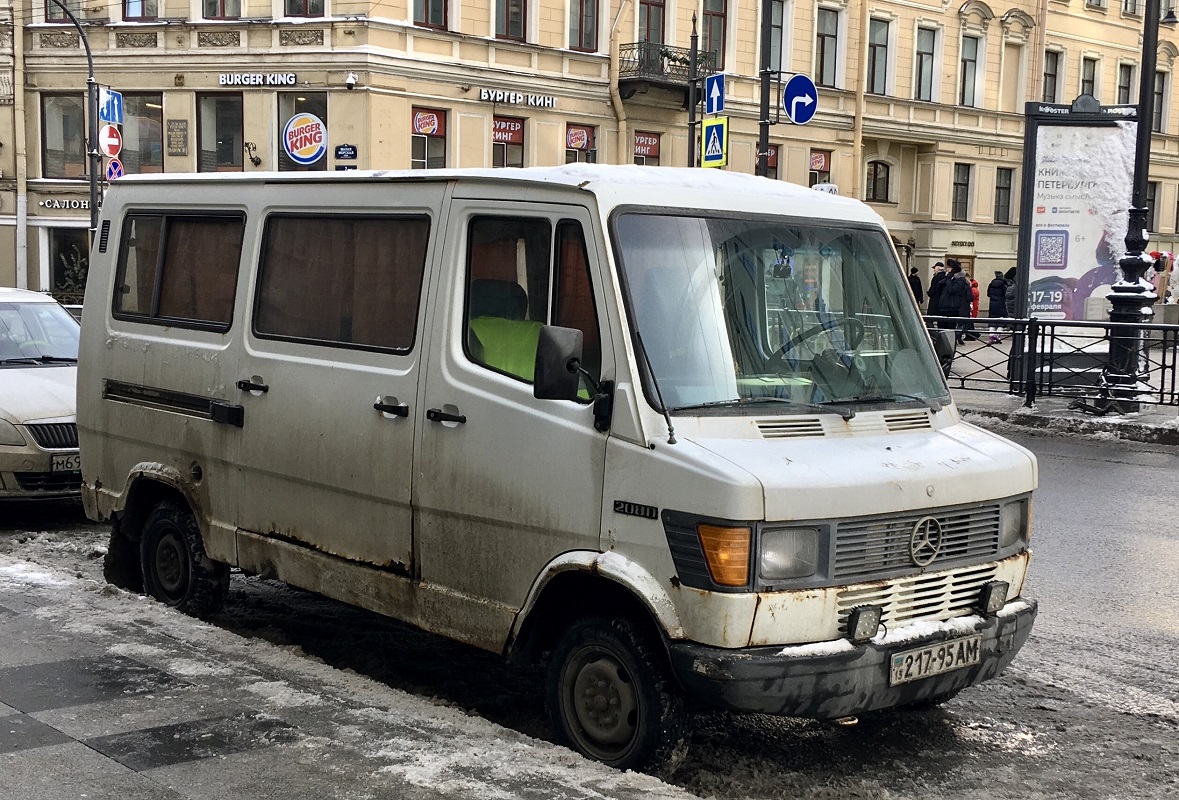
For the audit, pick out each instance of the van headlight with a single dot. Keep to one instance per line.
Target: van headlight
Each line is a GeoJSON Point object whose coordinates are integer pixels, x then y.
{"type": "Point", "coordinates": [1013, 523]}
{"type": "Point", "coordinates": [9, 435]}
{"type": "Point", "coordinates": [788, 553]}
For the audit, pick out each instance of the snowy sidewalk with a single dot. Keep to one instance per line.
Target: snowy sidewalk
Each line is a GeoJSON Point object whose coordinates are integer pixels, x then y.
{"type": "Point", "coordinates": [105, 694]}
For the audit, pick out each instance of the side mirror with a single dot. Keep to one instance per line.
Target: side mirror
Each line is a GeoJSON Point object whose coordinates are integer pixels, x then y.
{"type": "Point", "coordinates": [558, 351]}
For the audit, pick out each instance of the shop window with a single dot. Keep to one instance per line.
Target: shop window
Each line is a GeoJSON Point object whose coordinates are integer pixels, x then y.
{"type": "Point", "coordinates": [583, 25]}
{"type": "Point", "coordinates": [222, 9]}
{"type": "Point", "coordinates": [304, 8]}
{"type": "Point", "coordinates": [219, 131]}
{"type": "Point", "coordinates": [54, 13]}
{"type": "Point", "coordinates": [302, 131]}
{"type": "Point", "coordinates": [69, 262]}
{"type": "Point", "coordinates": [63, 132]}
{"type": "Point", "coordinates": [428, 139]}
{"type": "Point", "coordinates": [712, 34]}
{"type": "Point", "coordinates": [820, 171]}
{"type": "Point", "coordinates": [342, 281]}
{"type": "Point", "coordinates": [580, 144]}
{"type": "Point", "coordinates": [647, 149]}
{"type": "Point", "coordinates": [179, 270]}
{"type": "Point", "coordinates": [772, 162]}
{"type": "Point", "coordinates": [143, 134]}
{"type": "Point", "coordinates": [511, 19]}
{"type": "Point", "coordinates": [507, 142]}
{"type": "Point", "coordinates": [876, 186]}
{"type": "Point", "coordinates": [430, 13]}
{"type": "Point", "coordinates": [140, 10]}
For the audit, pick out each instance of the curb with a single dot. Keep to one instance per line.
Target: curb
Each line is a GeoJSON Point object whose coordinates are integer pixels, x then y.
{"type": "Point", "coordinates": [1120, 429]}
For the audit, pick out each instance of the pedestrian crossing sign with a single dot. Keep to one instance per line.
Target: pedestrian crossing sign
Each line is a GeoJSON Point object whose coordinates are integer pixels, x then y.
{"type": "Point", "coordinates": [714, 142]}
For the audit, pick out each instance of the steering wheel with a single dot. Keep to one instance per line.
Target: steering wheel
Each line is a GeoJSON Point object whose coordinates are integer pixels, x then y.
{"type": "Point", "coordinates": [853, 334]}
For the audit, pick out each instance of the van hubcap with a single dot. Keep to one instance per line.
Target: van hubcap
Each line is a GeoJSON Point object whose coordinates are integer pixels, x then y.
{"type": "Point", "coordinates": [171, 566]}
{"type": "Point", "coordinates": [604, 701]}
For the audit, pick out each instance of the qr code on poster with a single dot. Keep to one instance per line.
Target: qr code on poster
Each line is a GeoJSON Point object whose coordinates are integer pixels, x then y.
{"type": "Point", "coordinates": [1051, 249]}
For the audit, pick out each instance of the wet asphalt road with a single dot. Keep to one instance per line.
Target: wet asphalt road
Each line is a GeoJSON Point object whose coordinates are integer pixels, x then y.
{"type": "Point", "coordinates": [1090, 708]}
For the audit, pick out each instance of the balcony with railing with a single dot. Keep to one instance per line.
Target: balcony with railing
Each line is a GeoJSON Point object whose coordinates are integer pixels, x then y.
{"type": "Point", "coordinates": [643, 65]}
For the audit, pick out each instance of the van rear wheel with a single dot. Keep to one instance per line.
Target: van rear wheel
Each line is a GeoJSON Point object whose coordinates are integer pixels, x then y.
{"type": "Point", "coordinates": [176, 570]}
{"type": "Point", "coordinates": [611, 697]}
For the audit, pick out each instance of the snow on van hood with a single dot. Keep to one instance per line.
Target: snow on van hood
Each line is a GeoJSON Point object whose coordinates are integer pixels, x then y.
{"type": "Point", "coordinates": [879, 474]}
{"type": "Point", "coordinates": [37, 393]}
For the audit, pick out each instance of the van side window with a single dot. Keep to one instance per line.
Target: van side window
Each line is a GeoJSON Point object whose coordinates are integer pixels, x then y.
{"type": "Point", "coordinates": [179, 269]}
{"type": "Point", "coordinates": [511, 266]}
{"type": "Point", "coordinates": [353, 281]}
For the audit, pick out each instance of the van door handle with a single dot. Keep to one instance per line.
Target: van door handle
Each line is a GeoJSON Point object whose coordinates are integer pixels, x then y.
{"type": "Point", "coordinates": [397, 411]}
{"type": "Point", "coordinates": [438, 415]}
{"type": "Point", "coordinates": [247, 385]}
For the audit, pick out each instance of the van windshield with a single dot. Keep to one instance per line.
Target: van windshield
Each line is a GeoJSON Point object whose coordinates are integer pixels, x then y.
{"type": "Point", "coordinates": [736, 311]}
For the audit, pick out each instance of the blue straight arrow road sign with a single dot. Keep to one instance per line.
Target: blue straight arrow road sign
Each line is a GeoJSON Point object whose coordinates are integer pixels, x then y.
{"type": "Point", "coordinates": [714, 93]}
{"type": "Point", "coordinates": [800, 99]}
{"type": "Point", "coordinates": [110, 106]}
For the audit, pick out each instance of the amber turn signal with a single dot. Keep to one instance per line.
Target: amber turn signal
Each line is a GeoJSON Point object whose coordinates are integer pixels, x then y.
{"type": "Point", "coordinates": [727, 552]}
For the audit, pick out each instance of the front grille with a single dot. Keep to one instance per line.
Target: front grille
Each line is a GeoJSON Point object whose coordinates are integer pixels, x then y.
{"type": "Point", "coordinates": [49, 481]}
{"type": "Point", "coordinates": [790, 428]}
{"type": "Point", "coordinates": [870, 546]}
{"type": "Point", "coordinates": [900, 421]}
{"type": "Point", "coordinates": [930, 598]}
{"type": "Point", "coordinates": [57, 435]}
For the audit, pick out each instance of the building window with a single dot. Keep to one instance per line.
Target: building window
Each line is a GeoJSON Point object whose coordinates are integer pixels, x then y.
{"type": "Point", "coordinates": [69, 262]}
{"type": "Point", "coordinates": [430, 13]}
{"type": "Point", "coordinates": [712, 38]}
{"type": "Point", "coordinates": [507, 142]}
{"type": "Point", "coordinates": [651, 21]}
{"type": "Point", "coordinates": [826, 46]}
{"type": "Point", "coordinates": [772, 162]}
{"type": "Point", "coordinates": [580, 144]}
{"type": "Point", "coordinates": [960, 203]}
{"type": "Point", "coordinates": [304, 8]}
{"type": "Point", "coordinates": [143, 134]}
{"type": "Point", "coordinates": [139, 9]}
{"type": "Point", "coordinates": [647, 149]}
{"type": "Point", "coordinates": [583, 24]}
{"type": "Point", "coordinates": [1089, 76]}
{"type": "Point", "coordinates": [219, 130]}
{"type": "Point", "coordinates": [428, 146]}
{"type": "Point", "coordinates": [511, 19]}
{"type": "Point", "coordinates": [342, 281]}
{"type": "Point", "coordinates": [877, 56]}
{"type": "Point", "coordinates": [53, 12]}
{"type": "Point", "coordinates": [1160, 93]}
{"type": "Point", "coordinates": [1003, 179]}
{"type": "Point", "coordinates": [63, 134]}
{"type": "Point", "coordinates": [1132, 8]}
{"type": "Point", "coordinates": [820, 171]}
{"type": "Point", "coordinates": [1051, 75]}
{"type": "Point", "coordinates": [222, 9]}
{"type": "Point", "coordinates": [923, 69]}
{"type": "Point", "coordinates": [302, 131]}
{"type": "Point", "coordinates": [966, 92]}
{"type": "Point", "coordinates": [1152, 195]}
{"type": "Point", "coordinates": [179, 269]}
{"type": "Point", "coordinates": [1125, 84]}
{"type": "Point", "coordinates": [876, 187]}
{"type": "Point", "coordinates": [777, 32]}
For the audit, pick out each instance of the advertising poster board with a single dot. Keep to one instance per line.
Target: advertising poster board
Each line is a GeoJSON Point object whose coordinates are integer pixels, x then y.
{"type": "Point", "coordinates": [1078, 173]}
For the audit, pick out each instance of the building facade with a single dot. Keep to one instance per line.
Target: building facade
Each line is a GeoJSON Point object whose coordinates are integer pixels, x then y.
{"type": "Point", "coordinates": [920, 109]}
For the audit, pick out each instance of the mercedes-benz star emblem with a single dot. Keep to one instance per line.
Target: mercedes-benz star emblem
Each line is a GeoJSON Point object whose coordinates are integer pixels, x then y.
{"type": "Point", "coordinates": [926, 541]}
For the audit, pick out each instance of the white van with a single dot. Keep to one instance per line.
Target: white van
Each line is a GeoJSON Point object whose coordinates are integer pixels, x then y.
{"type": "Point", "coordinates": [680, 433]}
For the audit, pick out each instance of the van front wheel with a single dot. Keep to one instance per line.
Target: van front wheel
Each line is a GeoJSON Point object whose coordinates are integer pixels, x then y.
{"type": "Point", "coordinates": [176, 570]}
{"type": "Point", "coordinates": [610, 695]}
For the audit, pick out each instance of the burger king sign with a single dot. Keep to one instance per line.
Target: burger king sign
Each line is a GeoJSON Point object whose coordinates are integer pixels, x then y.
{"type": "Point", "coordinates": [305, 138]}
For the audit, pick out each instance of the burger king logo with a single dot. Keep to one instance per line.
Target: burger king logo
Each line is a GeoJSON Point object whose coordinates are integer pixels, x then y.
{"type": "Point", "coordinates": [576, 138]}
{"type": "Point", "coordinates": [305, 138]}
{"type": "Point", "coordinates": [426, 123]}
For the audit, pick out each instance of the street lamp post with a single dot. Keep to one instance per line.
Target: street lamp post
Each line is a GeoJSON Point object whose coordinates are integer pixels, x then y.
{"type": "Point", "coordinates": [92, 109]}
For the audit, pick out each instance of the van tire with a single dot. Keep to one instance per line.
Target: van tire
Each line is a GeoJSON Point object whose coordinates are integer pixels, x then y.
{"type": "Point", "coordinates": [619, 669]}
{"type": "Point", "coordinates": [176, 570]}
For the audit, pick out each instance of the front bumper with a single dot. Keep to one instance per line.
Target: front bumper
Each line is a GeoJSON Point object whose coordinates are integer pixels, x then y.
{"type": "Point", "coordinates": [838, 679]}
{"type": "Point", "coordinates": [26, 474]}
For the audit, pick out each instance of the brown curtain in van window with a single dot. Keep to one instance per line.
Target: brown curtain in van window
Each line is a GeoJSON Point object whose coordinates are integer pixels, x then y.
{"type": "Point", "coordinates": [390, 259]}
{"type": "Point", "coordinates": [201, 260]}
{"type": "Point", "coordinates": [306, 279]}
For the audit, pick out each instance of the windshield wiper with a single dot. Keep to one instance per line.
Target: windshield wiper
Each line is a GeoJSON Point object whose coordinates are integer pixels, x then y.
{"type": "Point", "coordinates": [56, 360]}
{"type": "Point", "coordinates": [932, 405]}
{"type": "Point", "coordinates": [829, 407]}
{"type": "Point", "coordinates": [23, 360]}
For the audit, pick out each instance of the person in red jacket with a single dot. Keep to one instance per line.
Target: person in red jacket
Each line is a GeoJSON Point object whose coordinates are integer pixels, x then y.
{"type": "Point", "coordinates": [973, 297]}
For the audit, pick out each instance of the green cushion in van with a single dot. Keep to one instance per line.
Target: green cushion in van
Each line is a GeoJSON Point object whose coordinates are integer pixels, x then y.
{"type": "Point", "coordinates": [509, 345]}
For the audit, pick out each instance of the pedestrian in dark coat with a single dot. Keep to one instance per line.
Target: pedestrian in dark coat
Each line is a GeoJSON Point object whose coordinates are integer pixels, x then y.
{"type": "Point", "coordinates": [915, 285]}
{"type": "Point", "coordinates": [935, 287]}
{"type": "Point", "coordinates": [997, 294]}
{"type": "Point", "coordinates": [954, 300]}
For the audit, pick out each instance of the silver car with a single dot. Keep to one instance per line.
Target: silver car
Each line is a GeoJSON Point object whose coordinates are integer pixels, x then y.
{"type": "Point", "coordinates": [38, 369]}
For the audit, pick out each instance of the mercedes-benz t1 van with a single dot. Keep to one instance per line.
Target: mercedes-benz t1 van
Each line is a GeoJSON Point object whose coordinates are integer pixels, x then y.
{"type": "Point", "coordinates": [681, 434]}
